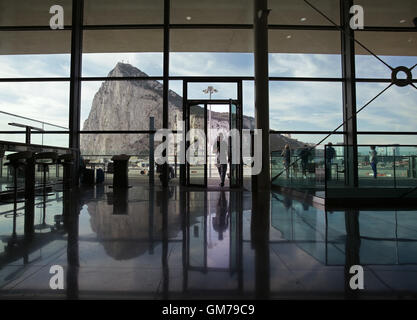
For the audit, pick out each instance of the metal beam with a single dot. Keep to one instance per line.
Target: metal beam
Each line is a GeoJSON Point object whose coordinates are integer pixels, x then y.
{"type": "Point", "coordinates": [262, 181]}
{"type": "Point", "coordinates": [75, 83]}
{"type": "Point", "coordinates": [165, 111]}
{"type": "Point", "coordinates": [349, 94]}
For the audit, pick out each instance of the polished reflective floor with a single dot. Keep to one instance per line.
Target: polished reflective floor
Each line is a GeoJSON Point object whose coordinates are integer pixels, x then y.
{"type": "Point", "coordinates": [147, 243]}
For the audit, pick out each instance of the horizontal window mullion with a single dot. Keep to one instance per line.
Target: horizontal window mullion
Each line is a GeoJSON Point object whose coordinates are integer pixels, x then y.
{"type": "Point", "coordinates": [32, 28]}
{"type": "Point", "coordinates": [123, 26]}
{"type": "Point", "coordinates": [306, 132]}
{"type": "Point", "coordinates": [396, 133]}
{"type": "Point", "coordinates": [211, 26]}
{"type": "Point", "coordinates": [120, 78]}
{"type": "Point", "coordinates": [60, 79]}
{"type": "Point", "coordinates": [302, 27]}
{"type": "Point", "coordinates": [117, 132]}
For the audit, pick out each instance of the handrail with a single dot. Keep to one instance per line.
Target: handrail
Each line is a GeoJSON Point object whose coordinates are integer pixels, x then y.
{"type": "Point", "coordinates": [43, 122]}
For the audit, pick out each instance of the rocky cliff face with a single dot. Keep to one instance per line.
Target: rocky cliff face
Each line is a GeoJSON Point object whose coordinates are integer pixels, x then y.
{"type": "Point", "coordinates": [128, 105]}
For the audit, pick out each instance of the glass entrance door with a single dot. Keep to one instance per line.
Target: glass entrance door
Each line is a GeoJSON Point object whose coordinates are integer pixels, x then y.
{"type": "Point", "coordinates": [196, 154]}
{"type": "Point", "coordinates": [227, 94]}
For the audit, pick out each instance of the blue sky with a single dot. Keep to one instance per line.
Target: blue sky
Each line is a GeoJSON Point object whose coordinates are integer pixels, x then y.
{"type": "Point", "coordinates": [293, 105]}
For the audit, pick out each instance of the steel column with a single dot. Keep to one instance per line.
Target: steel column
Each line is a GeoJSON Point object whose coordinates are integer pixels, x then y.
{"type": "Point", "coordinates": [349, 95]}
{"type": "Point", "coordinates": [263, 180]}
{"type": "Point", "coordinates": [75, 84]}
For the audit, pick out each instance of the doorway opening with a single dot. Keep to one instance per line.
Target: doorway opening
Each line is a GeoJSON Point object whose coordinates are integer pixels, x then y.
{"type": "Point", "coordinates": [208, 124]}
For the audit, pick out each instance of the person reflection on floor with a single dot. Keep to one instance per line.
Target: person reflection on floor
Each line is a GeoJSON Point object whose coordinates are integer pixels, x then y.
{"type": "Point", "coordinates": [221, 220]}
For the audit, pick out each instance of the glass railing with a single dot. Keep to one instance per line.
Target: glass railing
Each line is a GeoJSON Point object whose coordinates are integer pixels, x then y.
{"type": "Point", "coordinates": [41, 131]}
{"type": "Point", "coordinates": [325, 168]}
{"type": "Point", "coordinates": [391, 167]}
{"type": "Point", "coordinates": [303, 170]}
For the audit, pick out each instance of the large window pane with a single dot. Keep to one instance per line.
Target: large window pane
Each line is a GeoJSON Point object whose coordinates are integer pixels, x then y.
{"type": "Point", "coordinates": [35, 53]}
{"type": "Point", "coordinates": [211, 64]}
{"type": "Point", "coordinates": [102, 64]}
{"type": "Point", "coordinates": [31, 13]}
{"type": "Point", "coordinates": [305, 105]}
{"type": "Point", "coordinates": [394, 110]}
{"type": "Point", "coordinates": [211, 12]}
{"type": "Point", "coordinates": [175, 98]}
{"type": "Point", "coordinates": [298, 12]}
{"type": "Point", "coordinates": [211, 40]}
{"type": "Point", "coordinates": [295, 53]}
{"type": "Point", "coordinates": [248, 104]}
{"type": "Point", "coordinates": [386, 13]}
{"type": "Point", "coordinates": [141, 48]}
{"type": "Point", "coordinates": [47, 139]}
{"type": "Point", "coordinates": [100, 148]}
{"type": "Point", "coordinates": [225, 90]}
{"type": "Point", "coordinates": [41, 101]}
{"type": "Point", "coordinates": [108, 145]}
{"type": "Point", "coordinates": [203, 52]}
{"type": "Point", "coordinates": [105, 12]}
{"type": "Point", "coordinates": [35, 66]}
{"type": "Point", "coordinates": [369, 139]}
{"type": "Point", "coordinates": [122, 105]}
{"type": "Point", "coordinates": [394, 48]}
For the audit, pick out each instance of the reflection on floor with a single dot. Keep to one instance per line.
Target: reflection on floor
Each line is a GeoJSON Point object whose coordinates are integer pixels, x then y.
{"type": "Point", "coordinates": [156, 244]}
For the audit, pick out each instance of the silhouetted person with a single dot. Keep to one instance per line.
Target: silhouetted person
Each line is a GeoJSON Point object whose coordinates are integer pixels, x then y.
{"type": "Point", "coordinates": [286, 154]}
{"type": "Point", "coordinates": [221, 157]}
{"type": "Point", "coordinates": [330, 155]}
{"type": "Point", "coordinates": [415, 22]}
{"type": "Point", "coordinates": [305, 155]}
{"type": "Point", "coordinates": [373, 159]}
{"type": "Point", "coordinates": [160, 170]}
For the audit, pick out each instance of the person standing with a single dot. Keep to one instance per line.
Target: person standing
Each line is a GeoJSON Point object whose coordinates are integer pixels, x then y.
{"type": "Point", "coordinates": [373, 159]}
{"type": "Point", "coordinates": [286, 154]}
{"type": "Point", "coordinates": [330, 154]}
{"type": "Point", "coordinates": [305, 156]}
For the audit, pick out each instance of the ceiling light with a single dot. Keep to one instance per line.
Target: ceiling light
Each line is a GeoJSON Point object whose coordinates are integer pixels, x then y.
{"type": "Point", "coordinates": [188, 18]}
{"type": "Point", "coordinates": [303, 19]}
{"type": "Point", "coordinates": [403, 21]}
{"type": "Point", "coordinates": [288, 36]}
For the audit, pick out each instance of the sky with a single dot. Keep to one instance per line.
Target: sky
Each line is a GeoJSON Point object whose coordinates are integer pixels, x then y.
{"type": "Point", "coordinates": [293, 105]}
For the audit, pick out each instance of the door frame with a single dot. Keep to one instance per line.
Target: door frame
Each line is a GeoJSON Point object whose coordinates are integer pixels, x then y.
{"type": "Point", "coordinates": [184, 175]}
